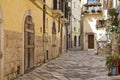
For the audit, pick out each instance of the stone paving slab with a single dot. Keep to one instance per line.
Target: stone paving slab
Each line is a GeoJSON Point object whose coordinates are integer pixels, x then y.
{"type": "Point", "coordinates": [74, 65]}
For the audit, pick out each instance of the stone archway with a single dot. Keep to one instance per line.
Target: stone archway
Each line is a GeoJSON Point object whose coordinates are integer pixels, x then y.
{"type": "Point", "coordinates": [1, 46]}
{"type": "Point", "coordinates": [29, 35]}
{"type": "Point", "coordinates": [75, 41]}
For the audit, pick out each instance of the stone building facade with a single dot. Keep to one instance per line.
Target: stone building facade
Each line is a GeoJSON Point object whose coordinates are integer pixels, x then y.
{"type": "Point", "coordinates": [30, 35]}
{"type": "Point", "coordinates": [92, 10]}
{"type": "Point", "coordinates": [74, 29]}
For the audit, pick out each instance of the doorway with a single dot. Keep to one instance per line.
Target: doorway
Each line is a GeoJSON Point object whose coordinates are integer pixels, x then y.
{"type": "Point", "coordinates": [75, 41]}
{"type": "Point", "coordinates": [29, 35]}
{"type": "Point", "coordinates": [91, 41]}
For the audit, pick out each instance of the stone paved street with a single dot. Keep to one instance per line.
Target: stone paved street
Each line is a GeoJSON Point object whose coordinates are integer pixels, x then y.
{"type": "Point", "coordinates": [74, 65]}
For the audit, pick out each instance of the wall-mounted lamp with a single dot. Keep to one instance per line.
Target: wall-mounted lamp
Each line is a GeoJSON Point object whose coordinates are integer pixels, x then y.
{"type": "Point", "coordinates": [82, 14]}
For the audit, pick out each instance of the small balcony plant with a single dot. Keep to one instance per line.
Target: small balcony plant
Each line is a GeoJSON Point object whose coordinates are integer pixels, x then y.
{"type": "Point", "coordinates": [93, 11]}
{"type": "Point", "coordinates": [99, 11]}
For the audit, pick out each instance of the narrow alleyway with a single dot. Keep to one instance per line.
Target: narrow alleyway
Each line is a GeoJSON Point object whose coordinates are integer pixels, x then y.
{"type": "Point", "coordinates": [74, 65]}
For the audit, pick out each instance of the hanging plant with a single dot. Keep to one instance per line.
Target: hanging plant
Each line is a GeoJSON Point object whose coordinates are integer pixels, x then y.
{"type": "Point", "coordinates": [101, 23]}
{"type": "Point", "coordinates": [115, 29]}
{"type": "Point", "coordinates": [113, 21]}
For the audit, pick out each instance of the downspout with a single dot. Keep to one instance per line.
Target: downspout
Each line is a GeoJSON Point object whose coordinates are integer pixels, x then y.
{"type": "Point", "coordinates": [61, 39]}
{"type": "Point", "coordinates": [44, 16]}
{"type": "Point", "coordinates": [71, 24]}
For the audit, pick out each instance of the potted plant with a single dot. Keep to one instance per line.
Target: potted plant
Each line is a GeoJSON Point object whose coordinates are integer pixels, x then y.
{"type": "Point", "coordinates": [118, 64]}
{"type": "Point", "coordinates": [113, 69]}
{"type": "Point", "coordinates": [109, 64]}
{"type": "Point", "coordinates": [93, 11]}
{"type": "Point", "coordinates": [112, 65]}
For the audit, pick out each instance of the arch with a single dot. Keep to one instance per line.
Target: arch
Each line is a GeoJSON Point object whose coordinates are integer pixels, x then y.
{"type": "Point", "coordinates": [29, 35]}
{"type": "Point", "coordinates": [79, 40]}
{"type": "Point", "coordinates": [75, 40]}
{"type": "Point", "coordinates": [1, 45]}
{"type": "Point", "coordinates": [27, 28]}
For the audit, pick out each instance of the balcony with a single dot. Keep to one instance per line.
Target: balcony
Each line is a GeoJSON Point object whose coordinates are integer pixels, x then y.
{"type": "Point", "coordinates": [57, 13]}
{"type": "Point", "coordinates": [63, 20]}
{"type": "Point", "coordinates": [92, 4]}
{"type": "Point", "coordinates": [93, 7]}
{"type": "Point", "coordinates": [67, 0]}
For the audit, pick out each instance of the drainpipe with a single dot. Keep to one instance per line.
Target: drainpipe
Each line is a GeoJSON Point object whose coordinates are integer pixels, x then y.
{"type": "Point", "coordinates": [61, 38]}
{"type": "Point", "coordinates": [44, 16]}
{"type": "Point", "coordinates": [71, 24]}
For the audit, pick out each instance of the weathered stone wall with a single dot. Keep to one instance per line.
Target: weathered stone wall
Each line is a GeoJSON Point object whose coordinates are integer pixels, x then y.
{"type": "Point", "coordinates": [58, 47]}
{"type": "Point", "coordinates": [39, 54]}
{"type": "Point", "coordinates": [47, 47]}
{"type": "Point", "coordinates": [63, 45]}
{"type": "Point", "coordinates": [13, 52]}
{"type": "Point", "coordinates": [14, 28]}
{"type": "Point", "coordinates": [105, 50]}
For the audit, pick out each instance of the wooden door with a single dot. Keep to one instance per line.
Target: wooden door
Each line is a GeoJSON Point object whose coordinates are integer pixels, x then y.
{"type": "Point", "coordinates": [29, 44]}
{"type": "Point", "coordinates": [90, 41]}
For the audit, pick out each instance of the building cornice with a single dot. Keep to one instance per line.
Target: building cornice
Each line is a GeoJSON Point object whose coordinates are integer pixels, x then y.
{"type": "Point", "coordinates": [57, 13]}
{"type": "Point", "coordinates": [39, 1]}
{"type": "Point", "coordinates": [63, 20]}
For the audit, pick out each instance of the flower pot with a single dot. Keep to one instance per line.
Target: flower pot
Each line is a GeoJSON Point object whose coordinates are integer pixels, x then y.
{"type": "Point", "coordinates": [113, 71]}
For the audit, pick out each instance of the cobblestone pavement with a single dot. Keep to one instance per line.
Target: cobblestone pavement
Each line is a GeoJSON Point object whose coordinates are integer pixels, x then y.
{"type": "Point", "coordinates": [74, 65]}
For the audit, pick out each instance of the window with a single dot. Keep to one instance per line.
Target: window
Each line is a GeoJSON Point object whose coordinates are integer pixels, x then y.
{"type": "Point", "coordinates": [92, 1]}
{"type": "Point", "coordinates": [55, 4]}
{"type": "Point", "coordinates": [105, 4]}
{"type": "Point", "coordinates": [54, 28]}
{"type": "Point", "coordinates": [93, 8]}
{"type": "Point", "coordinates": [46, 22]}
{"type": "Point", "coordinates": [74, 28]}
{"type": "Point", "coordinates": [74, 4]}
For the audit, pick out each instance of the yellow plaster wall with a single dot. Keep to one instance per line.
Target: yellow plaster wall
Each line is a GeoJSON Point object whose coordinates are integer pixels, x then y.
{"type": "Point", "coordinates": [49, 25]}
{"type": "Point", "coordinates": [14, 11]}
{"type": "Point", "coordinates": [49, 3]}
